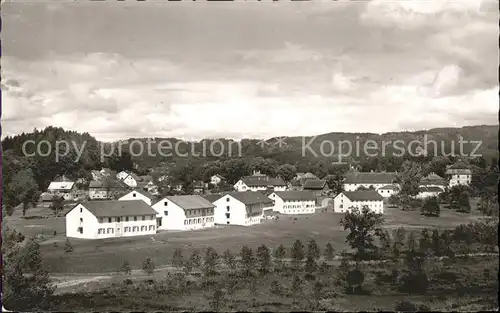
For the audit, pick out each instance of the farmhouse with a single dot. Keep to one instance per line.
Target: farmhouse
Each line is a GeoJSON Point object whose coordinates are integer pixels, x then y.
{"type": "Point", "coordinates": [106, 189]}
{"type": "Point", "coordinates": [294, 202]}
{"type": "Point", "coordinates": [184, 213]}
{"type": "Point", "coordinates": [459, 174]}
{"type": "Point", "coordinates": [62, 188]}
{"type": "Point", "coordinates": [107, 219]}
{"type": "Point", "coordinates": [317, 186]}
{"type": "Point", "coordinates": [241, 208]}
{"type": "Point", "coordinates": [354, 179]}
{"type": "Point", "coordinates": [129, 178]}
{"type": "Point", "coordinates": [388, 190]}
{"type": "Point", "coordinates": [216, 179]}
{"type": "Point", "coordinates": [433, 180]}
{"type": "Point", "coordinates": [260, 183]}
{"type": "Point", "coordinates": [139, 194]}
{"type": "Point", "coordinates": [428, 191]}
{"type": "Point", "coordinates": [345, 200]}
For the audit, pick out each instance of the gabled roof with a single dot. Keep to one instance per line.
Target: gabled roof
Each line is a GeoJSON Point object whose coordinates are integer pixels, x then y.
{"type": "Point", "coordinates": [256, 181]}
{"type": "Point", "coordinates": [143, 192]}
{"type": "Point", "coordinates": [390, 187]}
{"type": "Point", "coordinates": [220, 176]}
{"type": "Point", "coordinates": [250, 197]}
{"type": "Point", "coordinates": [459, 168]}
{"type": "Point", "coordinates": [370, 177]}
{"type": "Point", "coordinates": [295, 195]}
{"type": "Point", "coordinates": [429, 189]}
{"type": "Point", "coordinates": [65, 185]}
{"type": "Point", "coordinates": [433, 179]}
{"type": "Point", "coordinates": [314, 184]}
{"type": "Point", "coordinates": [364, 195]}
{"type": "Point", "coordinates": [191, 202]}
{"type": "Point", "coordinates": [114, 208]}
{"type": "Point", "coordinates": [114, 184]}
{"type": "Point", "coordinates": [212, 198]}
{"type": "Point", "coordinates": [458, 165]}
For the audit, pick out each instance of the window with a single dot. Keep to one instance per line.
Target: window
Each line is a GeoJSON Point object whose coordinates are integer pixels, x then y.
{"type": "Point", "coordinates": [185, 222]}
{"type": "Point", "coordinates": [100, 219]}
{"type": "Point", "coordinates": [143, 228]}
{"type": "Point", "coordinates": [81, 220]}
{"type": "Point", "coordinates": [134, 195]}
{"type": "Point", "coordinates": [227, 199]}
{"type": "Point", "coordinates": [109, 219]}
{"type": "Point", "coordinates": [228, 215]}
{"type": "Point", "coordinates": [227, 209]}
{"type": "Point", "coordinates": [81, 209]}
{"type": "Point", "coordinates": [227, 222]}
{"type": "Point", "coordinates": [143, 218]}
{"type": "Point", "coordinates": [80, 230]}
{"type": "Point", "coordinates": [135, 218]}
{"type": "Point", "coordinates": [118, 219]}
{"type": "Point", "coordinates": [126, 219]}
{"type": "Point", "coordinates": [165, 212]}
{"type": "Point", "coordinates": [165, 203]}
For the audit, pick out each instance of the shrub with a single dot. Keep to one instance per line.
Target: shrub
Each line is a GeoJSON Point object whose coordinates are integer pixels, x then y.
{"type": "Point", "coordinates": [67, 246]}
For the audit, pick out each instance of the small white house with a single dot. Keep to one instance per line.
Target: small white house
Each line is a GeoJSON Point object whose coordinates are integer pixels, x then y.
{"type": "Point", "coordinates": [241, 208]}
{"type": "Point", "coordinates": [62, 188]}
{"type": "Point", "coordinates": [260, 183]}
{"type": "Point", "coordinates": [138, 194]}
{"type": "Point", "coordinates": [459, 174]}
{"type": "Point", "coordinates": [184, 213]}
{"type": "Point", "coordinates": [427, 192]}
{"type": "Point", "coordinates": [294, 202]}
{"type": "Point", "coordinates": [216, 179]}
{"type": "Point", "coordinates": [109, 219]}
{"type": "Point", "coordinates": [348, 199]}
{"type": "Point", "coordinates": [388, 190]}
{"type": "Point", "coordinates": [130, 179]}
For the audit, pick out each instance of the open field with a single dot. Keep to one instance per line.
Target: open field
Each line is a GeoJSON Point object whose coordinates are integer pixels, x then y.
{"type": "Point", "coordinates": [106, 255]}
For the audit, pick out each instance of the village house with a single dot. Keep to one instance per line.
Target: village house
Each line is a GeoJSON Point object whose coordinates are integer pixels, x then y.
{"type": "Point", "coordinates": [294, 202]}
{"type": "Point", "coordinates": [294, 185]}
{"type": "Point", "coordinates": [106, 189]}
{"type": "Point", "coordinates": [259, 182]}
{"type": "Point", "coordinates": [459, 174]}
{"type": "Point", "coordinates": [241, 208]}
{"type": "Point", "coordinates": [216, 179]}
{"type": "Point", "coordinates": [129, 178]}
{"type": "Point", "coordinates": [388, 190]}
{"type": "Point", "coordinates": [64, 188]}
{"type": "Point", "coordinates": [46, 199]}
{"type": "Point", "coordinates": [345, 200]}
{"type": "Point", "coordinates": [139, 194]}
{"type": "Point", "coordinates": [198, 187]}
{"type": "Point", "coordinates": [428, 191]}
{"type": "Point", "coordinates": [433, 180]}
{"type": "Point", "coordinates": [317, 186]}
{"type": "Point", "coordinates": [184, 213]}
{"type": "Point", "coordinates": [376, 180]}
{"type": "Point", "coordinates": [103, 173]}
{"type": "Point", "coordinates": [109, 219]}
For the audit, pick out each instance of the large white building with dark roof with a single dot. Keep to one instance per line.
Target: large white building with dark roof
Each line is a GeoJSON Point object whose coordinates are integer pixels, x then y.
{"type": "Point", "coordinates": [294, 202]}
{"type": "Point", "coordinates": [383, 181]}
{"type": "Point", "coordinates": [184, 213]}
{"type": "Point", "coordinates": [346, 200]}
{"type": "Point", "coordinates": [459, 174]}
{"type": "Point", "coordinates": [260, 183]}
{"type": "Point", "coordinates": [241, 208]}
{"type": "Point", "coordinates": [110, 219]}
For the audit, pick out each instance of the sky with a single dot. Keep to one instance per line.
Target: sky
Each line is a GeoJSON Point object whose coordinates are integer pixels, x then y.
{"type": "Point", "coordinates": [196, 70]}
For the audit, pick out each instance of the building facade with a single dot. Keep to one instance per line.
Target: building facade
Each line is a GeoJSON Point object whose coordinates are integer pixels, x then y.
{"type": "Point", "coordinates": [294, 202]}
{"type": "Point", "coordinates": [184, 213]}
{"type": "Point", "coordinates": [138, 194]}
{"type": "Point", "coordinates": [345, 200]}
{"type": "Point", "coordinates": [110, 219]}
{"type": "Point", "coordinates": [241, 208]}
{"type": "Point", "coordinates": [260, 183]}
{"type": "Point", "coordinates": [459, 174]}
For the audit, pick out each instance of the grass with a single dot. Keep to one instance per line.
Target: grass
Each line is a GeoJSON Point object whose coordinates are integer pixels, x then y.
{"type": "Point", "coordinates": [106, 255]}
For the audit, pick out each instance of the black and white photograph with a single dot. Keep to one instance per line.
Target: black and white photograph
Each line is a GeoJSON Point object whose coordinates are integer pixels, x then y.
{"type": "Point", "coordinates": [249, 156]}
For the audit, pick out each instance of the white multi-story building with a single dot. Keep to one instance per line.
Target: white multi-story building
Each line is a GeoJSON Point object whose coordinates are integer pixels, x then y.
{"type": "Point", "coordinates": [354, 179]}
{"type": "Point", "coordinates": [109, 219]}
{"type": "Point", "coordinates": [388, 190]}
{"type": "Point", "coordinates": [216, 179]}
{"type": "Point", "coordinates": [139, 194]}
{"type": "Point", "coordinates": [241, 208]}
{"type": "Point", "coordinates": [459, 174]}
{"type": "Point", "coordinates": [62, 188]}
{"type": "Point", "coordinates": [345, 200]}
{"type": "Point", "coordinates": [184, 213]}
{"type": "Point", "coordinates": [294, 202]}
{"type": "Point", "coordinates": [260, 183]}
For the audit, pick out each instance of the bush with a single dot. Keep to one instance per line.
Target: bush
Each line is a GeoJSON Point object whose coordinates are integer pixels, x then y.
{"type": "Point", "coordinates": [407, 306]}
{"type": "Point", "coordinates": [67, 246]}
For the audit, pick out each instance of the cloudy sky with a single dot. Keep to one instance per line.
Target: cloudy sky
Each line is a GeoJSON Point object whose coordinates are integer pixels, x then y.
{"type": "Point", "coordinates": [209, 70]}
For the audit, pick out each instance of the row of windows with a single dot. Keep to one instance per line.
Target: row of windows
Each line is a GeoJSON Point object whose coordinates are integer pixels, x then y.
{"type": "Point", "coordinates": [132, 229]}
{"type": "Point", "coordinates": [127, 218]}
{"type": "Point", "coordinates": [200, 220]}
{"type": "Point", "coordinates": [298, 206]}
{"type": "Point", "coordinates": [298, 211]}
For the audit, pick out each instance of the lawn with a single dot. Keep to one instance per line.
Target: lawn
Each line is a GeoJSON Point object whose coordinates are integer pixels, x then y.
{"type": "Point", "coordinates": [106, 255]}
